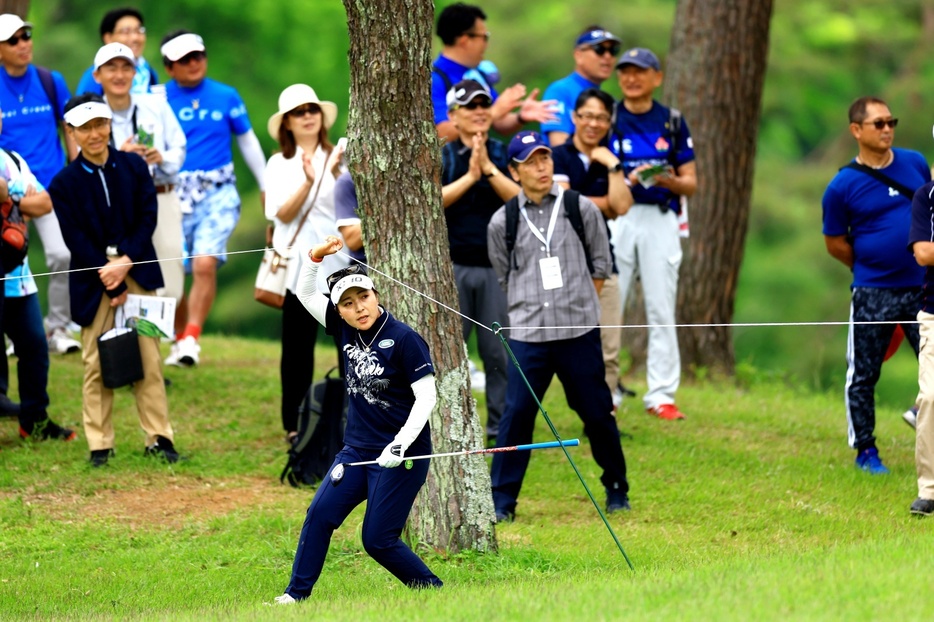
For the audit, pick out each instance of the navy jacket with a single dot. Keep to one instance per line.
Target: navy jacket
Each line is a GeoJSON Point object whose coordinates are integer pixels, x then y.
{"type": "Point", "coordinates": [92, 219]}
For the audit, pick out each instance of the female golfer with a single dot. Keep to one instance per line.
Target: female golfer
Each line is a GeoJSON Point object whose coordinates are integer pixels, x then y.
{"type": "Point", "coordinates": [391, 388]}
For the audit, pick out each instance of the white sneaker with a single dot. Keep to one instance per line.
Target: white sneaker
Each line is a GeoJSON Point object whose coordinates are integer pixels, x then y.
{"type": "Point", "coordinates": [911, 417]}
{"type": "Point", "coordinates": [285, 599]}
{"type": "Point", "coordinates": [172, 358]}
{"type": "Point", "coordinates": [188, 351]}
{"type": "Point", "coordinates": [60, 342]}
{"type": "Point", "coordinates": [477, 377]}
{"type": "Point", "coordinates": [10, 349]}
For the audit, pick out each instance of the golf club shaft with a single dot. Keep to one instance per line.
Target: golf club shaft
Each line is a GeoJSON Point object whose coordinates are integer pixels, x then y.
{"type": "Point", "coordinates": [573, 442]}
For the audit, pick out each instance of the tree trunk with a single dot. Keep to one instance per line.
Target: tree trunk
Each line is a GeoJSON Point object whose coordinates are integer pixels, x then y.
{"type": "Point", "coordinates": [395, 160]}
{"type": "Point", "coordinates": [17, 7]}
{"type": "Point", "coordinates": [715, 74]}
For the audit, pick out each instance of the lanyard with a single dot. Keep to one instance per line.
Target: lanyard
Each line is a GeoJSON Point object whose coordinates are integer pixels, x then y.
{"type": "Point", "coordinates": [551, 223]}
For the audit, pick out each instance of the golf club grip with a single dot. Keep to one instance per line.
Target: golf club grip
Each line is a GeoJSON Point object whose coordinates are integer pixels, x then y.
{"type": "Point", "coordinates": [571, 442]}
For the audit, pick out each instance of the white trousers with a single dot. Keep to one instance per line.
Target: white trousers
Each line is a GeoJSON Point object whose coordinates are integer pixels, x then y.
{"type": "Point", "coordinates": [646, 242]}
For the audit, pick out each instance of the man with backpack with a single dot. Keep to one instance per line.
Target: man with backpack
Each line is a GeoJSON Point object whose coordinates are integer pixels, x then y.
{"type": "Point", "coordinates": [33, 99]}
{"type": "Point", "coordinates": [657, 154]}
{"type": "Point", "coordinates": [549, 248]}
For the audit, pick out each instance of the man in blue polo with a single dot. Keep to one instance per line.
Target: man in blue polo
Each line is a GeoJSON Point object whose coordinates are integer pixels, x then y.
{"type": "Point", "coordinates": [33, 99]}
{"type": "Point", "coordinates": [209, 113]}
{"type": "Point", "coordinates": [594, 57]}
{"type": "Point", "coordinates": [646, 138]}
{"type": "Point", "coordinates": [464, 37]}
{"type": "Point", "coordinates": [867, 219]}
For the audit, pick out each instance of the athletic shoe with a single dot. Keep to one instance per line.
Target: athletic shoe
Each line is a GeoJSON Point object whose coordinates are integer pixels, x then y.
{"type": "Point", "coordinates": [172, 358]}
{"type": "Point", "coordinates": [60, 342]}
{"type": "Point", "coordinates": [99, 457]}
{"type": "Point", "coordinates": [163, 448]}
{"type": "Point", "coordinates": [8, 408]}
{"type": "Point", "coordinates": [10, 350]}
{"type": "Point", "coordinates": [922, 507]}
{"type": "Point", "coordinates": [48, 429]}
{"type": "Point", "coordinates": [285, 599]}
{"type": "Point", "coordinates": [911, 417]}
{"type": "Point", "coordinates": [668, 412]}
{"type": "Point", "coordinates": [616, 501]}
{"type": "Point", "coordinates": [188, 351]}
{"type": "Point", "coordinates": [868, 460]}
{"type": "Point", "coordinates": [505, 516]}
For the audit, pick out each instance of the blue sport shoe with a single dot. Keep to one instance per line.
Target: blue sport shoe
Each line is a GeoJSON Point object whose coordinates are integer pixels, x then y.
{"type": "Point", "coordinates": [869, 460]}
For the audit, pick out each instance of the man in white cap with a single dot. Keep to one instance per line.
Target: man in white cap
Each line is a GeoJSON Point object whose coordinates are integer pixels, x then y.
{"type": "Point", "coordinates": [208, 112]}
{"type": "Point", "coordinates": [107, 205]}
{"type": "Point", "coordinates": [123, 25]}
{"type": "Point", "coordinates": [32, 99]}
{"type": "Point", "coordinates": [145, 124]}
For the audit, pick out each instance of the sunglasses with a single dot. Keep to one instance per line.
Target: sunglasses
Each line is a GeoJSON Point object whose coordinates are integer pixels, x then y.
{"type": "Point", "coordinates": [192, 57]}
{"type": "Point", "coordinates": [601, 50]}
{"type": "Point", "coordinates": [881, 123]}
{"type": "Point", "coordinates": [26, 36]}
{"type": "Point", "coordinates": [301, 111]}
{"type": "Point", "coordinates": [480, 102]}
{"type": "Point", "coordinates": [349, 270]}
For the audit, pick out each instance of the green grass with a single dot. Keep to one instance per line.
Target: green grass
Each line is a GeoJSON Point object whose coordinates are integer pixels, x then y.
{"type": "Point", "coordinates": [749, 509]}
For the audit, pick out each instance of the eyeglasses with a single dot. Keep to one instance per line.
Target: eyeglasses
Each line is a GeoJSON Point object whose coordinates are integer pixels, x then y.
{"type": "Point", "coordinates": [141, 30]}
{"type": "Point", "coordinates": [301, 111]}
{"type": "Point", "coordinates": [601, 119]}
{"type": "Point", "coordinates": [601, 50]}
{"type": "Point", "coordinates": [349, 270]}
{"type": "Point", "coordinates": [26, 36]}
{"type": "Point", "coordinates": [191, 57]}
{"type": "Point", "coordinates": [474, 35]}
{"type": "Point", "coordinates": [881, 123]}
{"type": "Point", "coordinates": [476, 103]}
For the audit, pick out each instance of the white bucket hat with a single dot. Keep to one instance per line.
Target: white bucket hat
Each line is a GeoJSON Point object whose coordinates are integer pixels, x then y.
{"type": "Point", "coordinates": [293, 97]}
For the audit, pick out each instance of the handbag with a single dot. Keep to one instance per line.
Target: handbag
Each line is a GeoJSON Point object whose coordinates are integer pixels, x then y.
{"type": "Point", "coordinates": [120, 358]}
{"type": "Point", "coordinates": [274, 273]}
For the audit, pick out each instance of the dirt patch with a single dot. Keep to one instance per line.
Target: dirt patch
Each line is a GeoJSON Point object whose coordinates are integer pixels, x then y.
{"type": "Point", "coordinates": [168, 504]}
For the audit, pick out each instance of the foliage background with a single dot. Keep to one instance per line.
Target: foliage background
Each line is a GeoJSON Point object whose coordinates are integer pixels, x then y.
{"type": "Point", "coordinates": [823, 54]}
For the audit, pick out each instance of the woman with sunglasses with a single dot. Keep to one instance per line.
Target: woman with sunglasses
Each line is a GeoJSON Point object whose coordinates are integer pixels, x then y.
{"type": "Point", "coordinates": [585, 164]}
{"type": "Point", "coordinates": [299, 184]}
{"type": "Point", "coordinates": [391, 392]}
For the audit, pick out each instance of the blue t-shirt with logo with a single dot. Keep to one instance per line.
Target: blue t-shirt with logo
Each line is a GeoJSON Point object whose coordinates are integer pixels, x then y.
{"type": "Point", "coordinates": [208, 113]}
{"type": "Point", "coordinates": [565, 91]}
{"type": "Point", "coordinates": [379, 381]}
{"type": "Point", "coordinates": [455, 72]}
{"type": "Point", "coordinates": [30, 126]}
{"type": "Point", "coordinates": [877, 219]}
{"type": "Point", "coordinates": [644, 138]}
{"type": "Point", "coordinates": [143, 79]}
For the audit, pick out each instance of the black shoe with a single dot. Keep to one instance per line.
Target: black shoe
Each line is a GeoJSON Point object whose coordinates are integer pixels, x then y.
{"type": "Point", "coordinates": [623, 390]}
{"type": "Point", "coordinates": [922, 507]}
{"type": "Point", "coordinates": [163, 448]}
{"type": "Point", "coordinates": [99, 457]}
{"type": "Point", "coordinates": [47, 429]}
{"type": "Point", "coordinates": [8, 408]}
{"type": "Point", "coordinates": [616, 501]}
{"type": "Point", "coordinates": [505, 516]}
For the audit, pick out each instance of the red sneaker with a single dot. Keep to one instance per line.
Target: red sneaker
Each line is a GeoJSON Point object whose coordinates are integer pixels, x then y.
{"type": "Point", "coordinates": [668, 412]}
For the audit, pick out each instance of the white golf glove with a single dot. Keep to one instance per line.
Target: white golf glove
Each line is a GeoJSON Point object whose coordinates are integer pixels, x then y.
{"type": "Point", "coordinates": [391, 457]}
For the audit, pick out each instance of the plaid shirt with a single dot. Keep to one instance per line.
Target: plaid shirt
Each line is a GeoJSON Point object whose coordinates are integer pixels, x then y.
{"type": "Point", "coordinates": [574, 306]}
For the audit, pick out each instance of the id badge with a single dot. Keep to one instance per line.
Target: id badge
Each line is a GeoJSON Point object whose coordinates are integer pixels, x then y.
{"type": "Point", "coordinates": [551, 273]}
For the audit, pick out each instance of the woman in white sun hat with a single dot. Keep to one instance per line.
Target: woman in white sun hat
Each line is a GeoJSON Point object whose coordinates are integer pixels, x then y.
{"type": "Point", "coordinates": [299, 183]}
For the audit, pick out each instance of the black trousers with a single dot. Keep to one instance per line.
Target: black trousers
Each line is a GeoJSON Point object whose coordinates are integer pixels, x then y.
{"type": "Point", "coordinates": [297, 365]}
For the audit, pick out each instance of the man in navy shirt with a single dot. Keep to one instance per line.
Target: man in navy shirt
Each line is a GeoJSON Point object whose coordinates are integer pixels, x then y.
{"type": "Point", "coordinates": [594, 57]}
{"type": "Point", "coordinates": [33, 99]}
{"type": "Point", "coordinates": [867, 213]}
{"type": "Point", "coordinates": [464, 35]}
{"type": "Point", "coordinates": [647, 239]}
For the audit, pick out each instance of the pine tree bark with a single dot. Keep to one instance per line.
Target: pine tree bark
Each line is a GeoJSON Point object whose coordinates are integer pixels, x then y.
{"type": "Point", "coordinates": [715, 74]}
{"type": "Point", "coordinates": [395, 161]}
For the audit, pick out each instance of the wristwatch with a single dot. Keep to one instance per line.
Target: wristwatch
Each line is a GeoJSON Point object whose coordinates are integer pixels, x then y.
{"type": "Point", "coordinates": [491, 173]}
{"type": "Point", "coordinates": [618, 168]}
{"type": "Point", "coordinates": [112, 252]}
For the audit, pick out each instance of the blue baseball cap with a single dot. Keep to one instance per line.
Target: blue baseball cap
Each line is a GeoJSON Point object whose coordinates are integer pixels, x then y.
{"type": "Point", "coordinates": [524, 144]}
{"type": "Point", "coordinates": [596, 35]}
{"type": "Point", "coordinates": [640, 57]}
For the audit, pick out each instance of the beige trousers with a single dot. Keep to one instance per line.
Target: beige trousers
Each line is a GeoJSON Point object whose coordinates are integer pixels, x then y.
{"type": "Point", "coordinates": [611, 314]}
{"type": "Point", "coordinates": [167, 240]}
{"type": "Point", "coordinates": [924, 438]}
{"type": "Point", "coordinates": [151, 402]}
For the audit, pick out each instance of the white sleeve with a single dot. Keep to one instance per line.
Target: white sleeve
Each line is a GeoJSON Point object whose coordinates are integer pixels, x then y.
{"type": "Point", "coordinates": [315, 302]}
{"type": "Point", "coordinates": [175, 142]}
{"type": "Point", "coordinates": [426, 396]}
{"type": "Point", "coordinates": [253, 156]}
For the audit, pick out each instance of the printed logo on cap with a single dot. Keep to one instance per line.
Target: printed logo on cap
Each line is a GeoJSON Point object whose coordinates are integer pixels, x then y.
{"type": "Point", "coordinates": [528, 139]}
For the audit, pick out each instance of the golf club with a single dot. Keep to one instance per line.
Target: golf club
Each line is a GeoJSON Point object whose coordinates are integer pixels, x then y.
{"type": "Point", "coordinates": [337, 473]}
